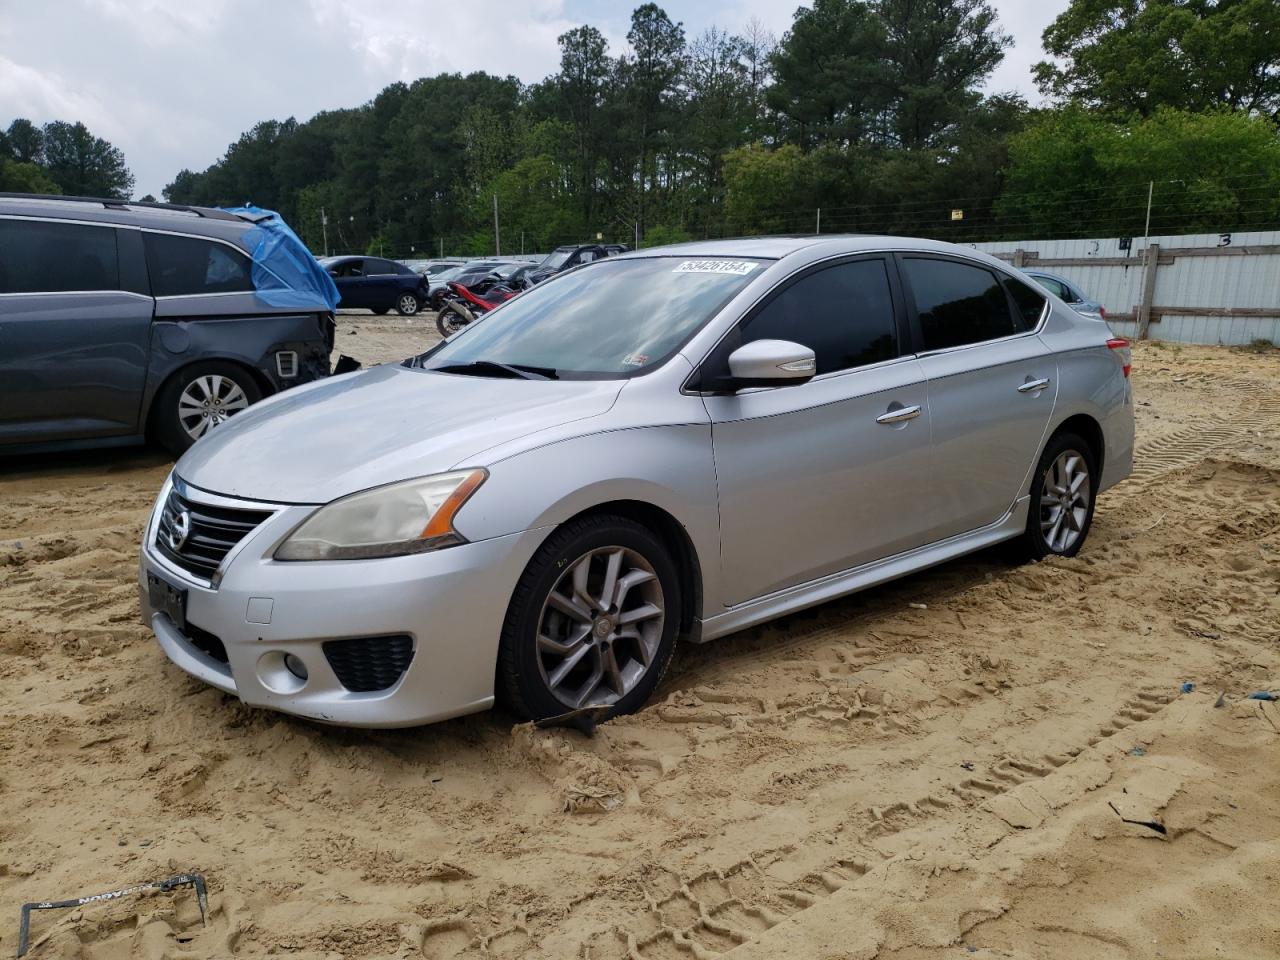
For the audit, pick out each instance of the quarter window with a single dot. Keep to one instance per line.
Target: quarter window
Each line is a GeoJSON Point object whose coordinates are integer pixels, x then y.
{"type": "Point", "coordinates": [1030, 303]}
{"type": "Point", "coordinates": [844, 314]}
{"type": "Point", "coordinates": [184, 266]}
{"type": "Point", "coordinates": [957, 303]}
{"type": "Point", "coordinates": [38, 257]}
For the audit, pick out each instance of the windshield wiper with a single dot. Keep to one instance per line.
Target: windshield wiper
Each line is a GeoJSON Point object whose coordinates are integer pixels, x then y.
{"type": "Point", "coordinates": [482, 368]}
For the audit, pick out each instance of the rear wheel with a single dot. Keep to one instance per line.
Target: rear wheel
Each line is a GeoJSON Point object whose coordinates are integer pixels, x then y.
{"type": "Point", "coordinates": [199, 398]}
{"type": "Point", "coordinates": [449, 321]}
{"type": "Point", "coordinates": [1062, 498]}
{"type": "Point", "coordinates": [592, 622]}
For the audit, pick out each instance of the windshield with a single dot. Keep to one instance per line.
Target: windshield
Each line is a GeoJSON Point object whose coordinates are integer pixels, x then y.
{"type": "Point", "coordinates": [613, 319]}
{"type": "Point", "coordinates": [435, 269]}
{"type": "Point", "coordinates": [557, 258]}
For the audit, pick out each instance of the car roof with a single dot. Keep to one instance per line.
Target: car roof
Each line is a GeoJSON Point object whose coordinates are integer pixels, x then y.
{"type": "Point", "coordinates": [169, 217]}
{"type": "Point", "coordinates": [812, 247]}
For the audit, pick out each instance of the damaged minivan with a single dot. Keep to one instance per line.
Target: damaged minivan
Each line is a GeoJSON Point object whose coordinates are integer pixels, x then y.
{"type": "Point", "coordinates": [124, 321]}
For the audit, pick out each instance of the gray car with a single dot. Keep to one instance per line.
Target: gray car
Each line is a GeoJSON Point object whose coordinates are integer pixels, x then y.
{"type": "Point", "coordinates": [1069, 293]}
{"type": "Point", "coordinates": [121, 321]}
{"type": "Point", "coordinates": [661, 447]}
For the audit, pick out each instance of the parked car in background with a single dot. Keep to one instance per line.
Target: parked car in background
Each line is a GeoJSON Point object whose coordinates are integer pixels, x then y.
{"type": "Point", "coordinates": [433, 268]}
{"type": "Point", "coordinates": [470, 274]}
{"type": "Point", "coordinates": [514, 275]}
{"type": "Point", "coordinates": [124, 321]}
{"type": "Point", "coordinates": [1069, 294]}
{"type": "Point", "coordinates": [565, 258]}
{"type": "Point", "coordinates": [540, 507]}
{"type": "Point", "coordinates": [377, 284]}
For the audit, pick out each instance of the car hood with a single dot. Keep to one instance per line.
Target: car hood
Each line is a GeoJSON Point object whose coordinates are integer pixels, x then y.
{"type": "Point", "coordinates": [315, 443]}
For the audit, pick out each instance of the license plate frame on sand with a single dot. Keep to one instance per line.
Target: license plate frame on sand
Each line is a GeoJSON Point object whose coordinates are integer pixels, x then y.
{"type": "Point", "coordinates": [168, 599]}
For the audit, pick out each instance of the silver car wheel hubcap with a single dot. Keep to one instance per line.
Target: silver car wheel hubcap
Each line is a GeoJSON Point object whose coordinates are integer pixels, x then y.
{"type": "Point", "coordinates": [1064, 501]}
{"type": "Point", "coordinates": [600, 627]}
{"type": "Point", "coordinates": [408, 305]}
{"type": "Point", "coordinates": [207, 401]}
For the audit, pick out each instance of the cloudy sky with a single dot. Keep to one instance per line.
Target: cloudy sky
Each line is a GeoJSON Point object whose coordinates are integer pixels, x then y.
{"type": "Point", "coordinates": [172, 82]}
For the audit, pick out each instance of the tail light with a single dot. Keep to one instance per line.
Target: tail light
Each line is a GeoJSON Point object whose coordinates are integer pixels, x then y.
{"type": "Point", "coordinates": [1102, 312]}
{"type": "Point", "coordinates": [1121, 346]}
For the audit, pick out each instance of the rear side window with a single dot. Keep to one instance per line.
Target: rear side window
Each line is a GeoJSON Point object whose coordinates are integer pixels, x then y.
{"type": "Point", "coordinates": [40, 257]}
{"type": "Point", "coordinates": [844, 314]}
{"type": "Point", "coordinates": [1030, 303]}
{"type": "Point", "coordinates": [187, 266]}
{"type": "Point", "coordinates": [1054, 287]}
{"type": "Point", "coordinates": [957, 303]}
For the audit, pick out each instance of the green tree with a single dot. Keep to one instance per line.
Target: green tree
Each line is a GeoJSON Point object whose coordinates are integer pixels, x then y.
{"type": "Point", "coordinates": [1139, 55]}
{"type": "Point", "coordinates": [935, 54]}
{"type": "Point", "coordinates": [1073, 172]}
{"type": "Point", "coordinates": [827, 73]}
{"type": "Point", "coordinates": [84, 165]}
{"type": "Point", "coordinates": [18, 177]}
{"type": "Point", "coordinates": [26, 141]}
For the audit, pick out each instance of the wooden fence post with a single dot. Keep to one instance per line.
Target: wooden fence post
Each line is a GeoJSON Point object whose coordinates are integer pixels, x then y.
{"type": "Point", "coordinates": [1148, 289]}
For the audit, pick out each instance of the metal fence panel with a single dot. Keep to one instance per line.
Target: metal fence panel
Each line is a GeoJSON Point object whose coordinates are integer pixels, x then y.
{"type": "Point", "coordinates": [1209, 288]}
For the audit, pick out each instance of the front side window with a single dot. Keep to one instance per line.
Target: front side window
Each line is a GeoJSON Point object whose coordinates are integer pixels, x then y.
{"type": "Point", "coordinates": [843, 313]}
{"type": "Point", "coordinates": [188, 266]}
{"type": "Point", "coordinates": [957, 303]}
{"type": "Point", "coordinates": [617, 319]}
{"type": "Point", "coordinates": [51, 257]}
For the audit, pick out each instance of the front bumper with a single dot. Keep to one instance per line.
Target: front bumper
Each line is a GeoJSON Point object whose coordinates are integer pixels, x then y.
{"type": "Point", "coordinates": [451, 603]}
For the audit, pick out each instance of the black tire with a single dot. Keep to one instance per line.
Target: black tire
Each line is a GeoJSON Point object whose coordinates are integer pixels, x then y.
{"type": "Point", "coordinates": [408, 304]}
{"type": "Point", "coordinates": [167, 425]}
{"type": "Point", "coordinates": [382, 311]}
{"type": "Point", "coordinates": [521, 682]}
{"type": "Point", "coordinates": [1033, 543]}
{"type": "Point", "coordinates": [449, 321]}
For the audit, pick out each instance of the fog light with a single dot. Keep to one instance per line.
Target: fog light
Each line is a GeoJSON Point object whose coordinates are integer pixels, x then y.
{"type": "Point", "coordinates": [295, 666]}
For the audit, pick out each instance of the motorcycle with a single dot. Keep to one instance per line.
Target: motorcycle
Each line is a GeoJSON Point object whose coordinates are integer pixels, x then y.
{"type": "Point", "coordinates": [463, 306]}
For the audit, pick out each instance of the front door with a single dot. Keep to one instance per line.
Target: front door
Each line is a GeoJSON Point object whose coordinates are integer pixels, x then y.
{"type": "Point", "coordinates": [73, 342]}
{"type": "Point", "coordinates": [830, 474]}
{"type": "Point", "coordinates": [992, 384]}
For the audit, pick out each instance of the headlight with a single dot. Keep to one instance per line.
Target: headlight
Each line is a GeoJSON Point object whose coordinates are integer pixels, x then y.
{"type": "Point", "coordinates": [391, 521]}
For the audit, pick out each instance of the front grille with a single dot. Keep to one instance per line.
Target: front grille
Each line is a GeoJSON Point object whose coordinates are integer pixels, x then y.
{"type": "Point", "coordinates": [366, 664]}
{"type": "Point", "coordinates": [206, 642]}
{"type": "Point", "coordinates": [211, 532]}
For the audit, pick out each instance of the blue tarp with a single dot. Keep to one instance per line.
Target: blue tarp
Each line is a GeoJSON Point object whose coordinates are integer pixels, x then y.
{"type": "Point", "coordinates": [285, 274]}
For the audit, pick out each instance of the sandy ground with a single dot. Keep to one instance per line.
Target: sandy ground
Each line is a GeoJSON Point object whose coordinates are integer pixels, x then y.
{"type": "Point", "coordinates": [941, 768]}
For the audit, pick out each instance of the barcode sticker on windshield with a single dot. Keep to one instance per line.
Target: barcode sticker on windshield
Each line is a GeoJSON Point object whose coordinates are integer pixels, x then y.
{"type": "Point", "coordinates": [739, 267]}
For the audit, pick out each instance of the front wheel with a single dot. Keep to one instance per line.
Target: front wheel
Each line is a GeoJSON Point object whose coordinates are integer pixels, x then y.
{"type": "Point", "coordinates": [199, 398]}
{"type": "Point", "coordinates": [1062, 499]}
{"type": "Point", "coordinates": [592, 621]}
{"type": "Point", "coordinates": [449, 321]}
{"type": "Point", "coordinates": [408, 304]}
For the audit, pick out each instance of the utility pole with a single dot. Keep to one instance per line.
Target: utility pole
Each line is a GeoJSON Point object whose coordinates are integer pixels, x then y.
{"type": "Point", "coordinates": [324, 230]}
{"type": "Point", "coordinates": [497, 237]}
{"type": "Point", "coordinates": [817, 227]}
{"type": "Point", "coordinates": [1146, 231]}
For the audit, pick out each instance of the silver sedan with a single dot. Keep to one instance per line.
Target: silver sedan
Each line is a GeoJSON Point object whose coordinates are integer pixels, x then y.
{"type": "Point", "coordinates": [661, 447]}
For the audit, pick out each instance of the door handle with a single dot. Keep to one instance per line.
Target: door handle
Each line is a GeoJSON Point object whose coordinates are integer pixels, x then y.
{"type": "Point", "coordinates": [899, 415]}
{"type": "Point", "coordinates": [1033, 385]}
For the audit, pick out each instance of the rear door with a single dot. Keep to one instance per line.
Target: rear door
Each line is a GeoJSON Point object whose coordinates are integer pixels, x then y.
{"type": "Point", "coordinates": [992, 385]}
{"type": "Point", "coordinates": [833, 473]}
{"type": "Point", "coordinates": [75, 328]}
{"type": "Point", "coordinates": [349, 278]}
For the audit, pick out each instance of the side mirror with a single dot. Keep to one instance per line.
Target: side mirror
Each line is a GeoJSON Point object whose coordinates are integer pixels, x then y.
{"type": "Point", "coordinates": [771, 363]}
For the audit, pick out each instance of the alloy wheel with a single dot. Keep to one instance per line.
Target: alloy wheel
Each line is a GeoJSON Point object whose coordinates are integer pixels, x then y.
{"type": "Point", "coordinates": [600, 627]}
{"type": "Point", "coordinates": [1064, 501]}
{"type": "Point", "coordinates": [408, 304]}
{"type": "Point", "coordinates": [207, 401]}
